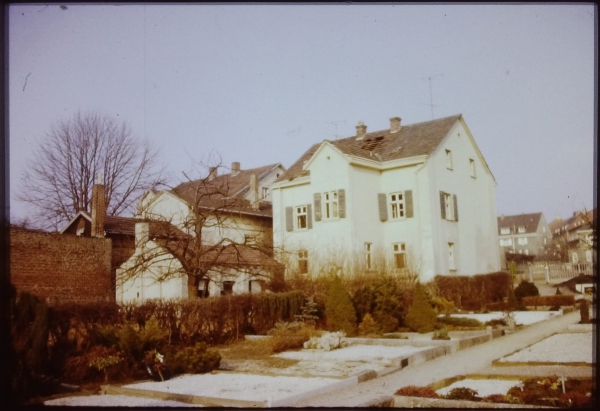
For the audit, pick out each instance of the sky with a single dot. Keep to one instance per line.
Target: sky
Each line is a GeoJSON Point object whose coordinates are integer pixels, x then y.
{"type": "Point", "coordinates": [259, 84]}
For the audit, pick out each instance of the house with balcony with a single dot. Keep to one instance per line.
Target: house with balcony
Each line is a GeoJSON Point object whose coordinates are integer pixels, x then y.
{"type": "Point", "coordinates": [577, 237]}
{"type": "Point", "coordinates": [411, 199]}
{"type": "Point", "coordinates": [522, 235]}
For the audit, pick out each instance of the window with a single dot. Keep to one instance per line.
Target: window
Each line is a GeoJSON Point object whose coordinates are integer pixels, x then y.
{"type": "Point", "coordinates": [227, 287]}
{"type": "Point", "coordinates": [202, 289]}
{"type": "Point", "coordinates": [368, 256]}
{"type": "Point", "coordinates": [330, 204]}
{"type": "Point", "coordinates": [522, 240]}
{"type": "Point", "coordinates": [521, 229]}
{"type": "Point", "coordinates": [451, 260]}
{"type": "Point", "coordinates": [472, 167]}
{"type": "Point", "coordinates": [505, 230]}
{"type": "Point", "coordinates": [265, 192]}
{"type": "Point", "coordinates": [448, 159]}
{"type": "Point", "coordinates": [397, 203]}
{"type": "Point", "coordinates": [588, 256]}
{"type": "Point", "coordinates": [303, 261]}
{"type": "Point", "coordinates": [506, 242]}
{"type": "Point", "coordinates": [526, 251]}
{"type": "Point", "coordinates": [300, 217]}
{"type": "Point", "coordinates": [575, 258]}
{"type": "Point", "coordinates": [399, 255]}
{"type": "Point", "coordinates": [249, 239]}
{"type": "Point", "coordinates": [254, 286]}
{"type": "Point", "coordinates": [448, 206]}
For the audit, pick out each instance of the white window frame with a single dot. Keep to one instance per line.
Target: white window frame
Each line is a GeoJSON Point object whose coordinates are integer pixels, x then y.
{"type": "Point", "coordinates": [522, 240]}
{"type": "Point", "coordinates": [472, 167]}
{"type": "Point", "coordinates": [331, 209]}
{"type": "Point", "coordinates": [575, 258]}
{"type": "Point", "coordinates": [506, 242]}
{"type": "Point", "coordinates": [303, 261]}
{"type": "Point", "coordinates": [449, 205]}
{"type": "Point", "coordinates": [369, 255]}
{"type": "Point", "coordinates": [265, 192]}
{"type": "Point", "coordinates": [399, 250]}
{"type": "Point", "coordinates": [451, 257]}
{"type": "Point", "coordinates": [397, 205]}
{"type": "Point", "coordinates": [505, 230]}
{"type": "Point", "coordinates": [301, 216]}
{"type": "Point", "coordinates": [521, 229]}
{"type": "Point", "coordinates": [449, 159]}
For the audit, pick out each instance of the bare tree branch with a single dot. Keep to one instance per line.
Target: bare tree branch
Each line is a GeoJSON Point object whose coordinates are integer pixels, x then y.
{"type": "Point", "coordinates": [65, 167]}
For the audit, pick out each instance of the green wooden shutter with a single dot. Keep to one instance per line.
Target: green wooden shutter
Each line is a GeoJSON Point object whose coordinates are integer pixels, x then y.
{"type": "Point", "coordinates": [443, 205]}
{"type": "Point", "coordinates": [455, 207]}
{"type": "Point", "coordinates": [309, 216]}
{"type": "Point", "coordinates": [383, 209]}
{"type": "Point", "coordinates": [408, 201]}
{"type": "Point", "coordinates": [317, 202]}
{"type": "Point", "coordinates": [289, 218]}
{"type": "Point", "coordinates": [342, 203]}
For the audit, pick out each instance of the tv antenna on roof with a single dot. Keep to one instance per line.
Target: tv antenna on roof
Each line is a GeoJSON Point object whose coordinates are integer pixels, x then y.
{"type": "Point", "coordinates": [430, 93]}
{"type": "Point", "coordinates": [335, 123]}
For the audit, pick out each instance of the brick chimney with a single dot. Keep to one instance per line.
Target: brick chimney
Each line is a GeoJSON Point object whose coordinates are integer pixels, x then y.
{"type": "Point", "coordinates": [395, 124]}
{"type": "Point", "coordinates": [98, 208]}
{"type": "Point", "coordinates": [235, 168]}
{"type": "Point", "coordinates": [142, 234]}
{"type": "Point", "coordinates": [254, 191]}
{"type": "Point", "coordinates": [213, 172]}
{"type": "Point", "coordinates": [361, 130]}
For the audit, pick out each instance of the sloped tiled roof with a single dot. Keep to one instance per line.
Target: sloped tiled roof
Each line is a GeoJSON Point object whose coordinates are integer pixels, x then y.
{"type": "Point", "coordinates": [226, 192]}
{"type": "Point", "coordinates": [412, 140]}
{"type": "Point", "coordinates": [529, 221]}
{"type": "Point", "coordinates": [577, 221]}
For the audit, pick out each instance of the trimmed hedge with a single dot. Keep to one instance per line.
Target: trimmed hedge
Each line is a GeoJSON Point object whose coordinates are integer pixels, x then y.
{"type": "Point", "coordinates": [551, 300]}
{"type": "Point", "coordinates": [474, 292]}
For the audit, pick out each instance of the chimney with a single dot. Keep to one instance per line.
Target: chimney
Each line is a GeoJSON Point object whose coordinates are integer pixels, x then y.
{"type": "Point", "coordinates": [235, 168]}
{"type": "Point", "coordinates": [142, 234]}
{"type": "Point", "coordinates": [98, 208]}
{"type": "Point", "coordinates": [213, 172]}
{"type": "Point", "coordinates": [361, 129]}
{"type": "Point", "coordinates": [254, 191]}
{"type": "Point", "coordinates": [395, 124]}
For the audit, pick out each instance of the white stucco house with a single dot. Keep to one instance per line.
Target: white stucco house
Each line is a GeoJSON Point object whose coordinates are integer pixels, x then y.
{"type": "Point", "coordinates": [414, 198]}
{"type": "Point", "coordinates": [215, 238]}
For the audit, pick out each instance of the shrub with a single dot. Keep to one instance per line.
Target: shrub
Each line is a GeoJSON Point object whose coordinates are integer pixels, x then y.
{"type": "Point", "coordinates": [526, 289]}
{"type": "Point", "coordinates": [575, 400]}
{"type": "Point", "coordinates": [309, 312]}
{"type": "Point", "coordinates": [441, 334]}
{"type": "Point", "coordinates": [421, 317]}
{"type": "Point", "coordinates": [475, 292]}
{"type": "Point", "coordinates": [195, 360]}
{"type": "Point", "coordinates": [584, 312]}
{"type": "Point", "coordinates": [104, 362]}
{"type": "Point", "coordinates": [462, 393]}
{"type": "Point", "coordinates": [551, 300]}
{"type": "Point", "coordinates": [460, 321]}
{"type": "Point", "coordinates": [415, 391]}
{"type": "Point", "coordinates": [327, 342]}
{"type": "Point", "coordinates": [289, 336]}
{"type": "Point", "coordinates": [340, 313]}
{"type": "Point", "coordinates": [368, 326]}
{"type": "Point", "coordinates": [496, 321]}
{"type": "Point", "coordinates": [383, 299]}
{"type": "Point", "coordinates": [496, 398]}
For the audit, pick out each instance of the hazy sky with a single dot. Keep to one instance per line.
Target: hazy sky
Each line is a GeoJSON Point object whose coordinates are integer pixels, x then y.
{"type": "Point", "coordinates": [260, 84]}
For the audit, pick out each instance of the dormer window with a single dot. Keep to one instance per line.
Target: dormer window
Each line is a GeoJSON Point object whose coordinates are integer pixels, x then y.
{"type": "Point", "coordinates": [521, 229]}
{"type": "Point", "coordinates": [449, 159]}
{"type": "Point", "coordinates": [505, 230]}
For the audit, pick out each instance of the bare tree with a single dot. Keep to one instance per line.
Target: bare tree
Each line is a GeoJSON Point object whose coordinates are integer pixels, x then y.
{"type": "Point", "coordinates": [60, 176]}
{"type": "Point", "coordinates": [219, 235]}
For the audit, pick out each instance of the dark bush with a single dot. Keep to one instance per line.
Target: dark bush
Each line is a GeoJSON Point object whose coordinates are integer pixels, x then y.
{"type": "Point", "coordinates": [496, 398]}
{"type": "Point", "coordinates": [462, 393]}
{"type": "Point", "coordinates": [289, 336]}
{"type": "Point", "coordinates": [526, 289]}
{"type": "Point", "coordinates": [551, 300]}
{"type": "Point", "coordinates": [194, 360]}
{"type": "Point", "coordinates": [368, 327]}
{"type": "Point", "coordinates": [496, 321]}
{"type": "Point", "coordinates": [584, 312]}
{"type": "Point", "coordinates": [421, 316]}
{"type": "Point", "coordinates": [339, 310]}
{"type": "Point", "coordinates": [460, 321]}
{"type": "Point", "coordinates": [383, 300]}
{"type": "Point", "coordinates": [415, 391]}
{"type": "Point", "coordinates": [473, 293]}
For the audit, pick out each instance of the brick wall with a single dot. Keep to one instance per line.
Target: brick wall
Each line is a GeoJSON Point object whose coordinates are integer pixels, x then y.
{"type": "Point", "coordinates": [61, 268]}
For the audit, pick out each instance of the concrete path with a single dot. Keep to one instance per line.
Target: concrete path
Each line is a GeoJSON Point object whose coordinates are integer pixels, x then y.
{"type": "Point", "coordinates": [474, 360]}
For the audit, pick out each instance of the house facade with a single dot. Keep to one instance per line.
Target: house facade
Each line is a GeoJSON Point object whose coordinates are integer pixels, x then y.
{"type": "Point", "coordinates": [415, 198]}
{"type": "Point", "coordinates": [218, 238]}
{"type": "Point", "coordinates": [525, 234]}
{"type": "Point", "coordinates": [575, 237]}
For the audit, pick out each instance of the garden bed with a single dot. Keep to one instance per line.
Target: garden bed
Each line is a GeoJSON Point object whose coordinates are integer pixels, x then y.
{"type": "Point", "coordinates": [558, 349]}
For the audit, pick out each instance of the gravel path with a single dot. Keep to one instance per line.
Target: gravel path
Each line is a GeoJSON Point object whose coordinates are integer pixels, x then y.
{"type": "Point", "coordinates": [474, 360]}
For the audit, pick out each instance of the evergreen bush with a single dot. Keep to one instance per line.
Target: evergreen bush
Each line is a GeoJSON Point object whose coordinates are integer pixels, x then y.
{"type": "Point", "coordinates": [462, 393]}
{"type": "Point", "coordinates": [289, 336]}
{"type": "Point", "coordinates": [421, 316]}
{"type": "Point", "coordinates": [526, 289]}
{"type": "Point", "coordinates": [195, 360]}
{"type": "Point", "coordinates": [368, 326]}
{"type": "Point", "coordinates": [340, 313]}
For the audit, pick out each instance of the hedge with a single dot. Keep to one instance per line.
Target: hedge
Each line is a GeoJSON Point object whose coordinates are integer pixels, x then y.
{"type": "Point", "coordinates": [473, 292]}
{"type": "Point", "coordinates": [551, 300]}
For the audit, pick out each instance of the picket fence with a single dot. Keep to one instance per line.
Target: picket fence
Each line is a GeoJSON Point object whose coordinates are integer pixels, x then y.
{"type": "Point", "coordinates": [557, 272]}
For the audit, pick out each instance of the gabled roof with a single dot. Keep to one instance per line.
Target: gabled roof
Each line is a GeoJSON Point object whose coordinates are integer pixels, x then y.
{"type": "Point", "coordinates": [226, 191]}
{"type": "Point", "coordinates": [410, 141]}
{"type": "Point", "coordinates": [529, 221]}
{"type": "Point", "coordinates": [577, 221]}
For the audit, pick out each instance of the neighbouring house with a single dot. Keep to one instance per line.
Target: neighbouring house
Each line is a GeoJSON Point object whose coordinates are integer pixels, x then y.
{"type": "Point", "coordinates": [220, 240]}
{"type": "Point", "coordinates": [416, 198]}
{"type": "Point", "coordinates": [522, 234]}
{"type": "Point", "coordinates": [575, 237]}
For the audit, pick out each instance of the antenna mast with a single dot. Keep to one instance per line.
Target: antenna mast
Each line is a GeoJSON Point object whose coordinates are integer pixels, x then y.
{"type": "Point", "coordinates": [430, 92]}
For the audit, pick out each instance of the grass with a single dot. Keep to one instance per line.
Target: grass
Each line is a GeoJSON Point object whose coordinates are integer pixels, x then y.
{"type": "Point", "coordinates": [248, 352]}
